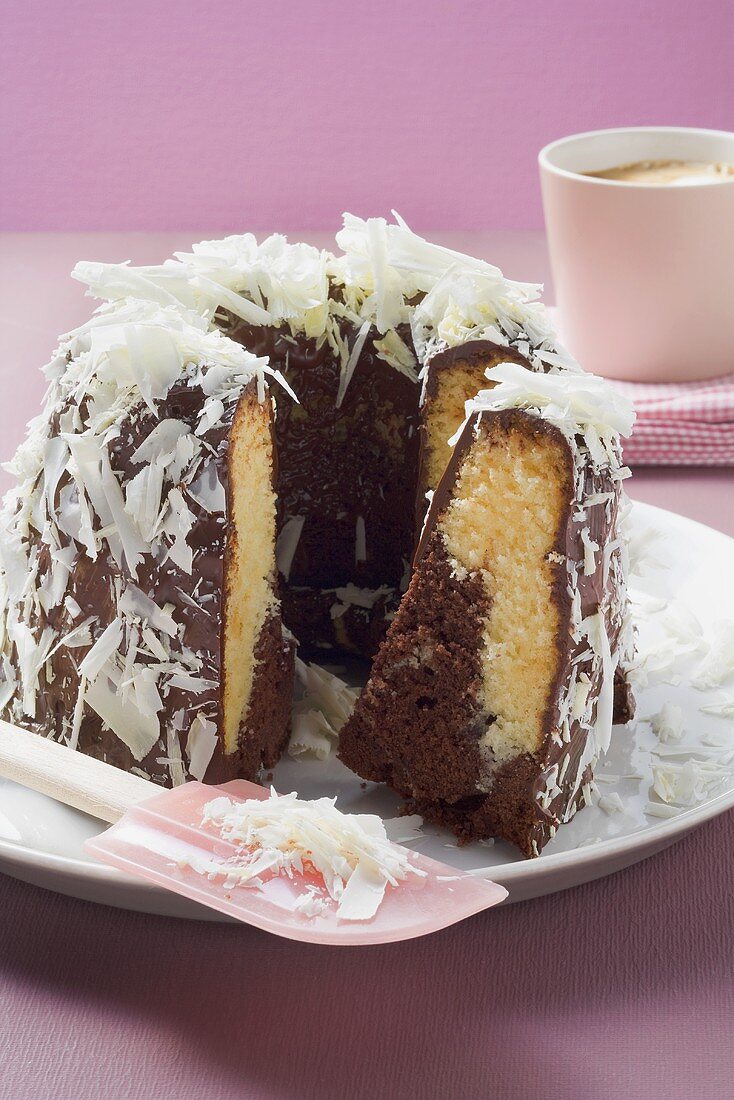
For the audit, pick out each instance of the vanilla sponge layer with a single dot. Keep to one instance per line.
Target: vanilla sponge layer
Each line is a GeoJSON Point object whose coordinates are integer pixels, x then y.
{"type": "Point", "coordinates": [249, 597]}
{"type": "Point", "coordinates": [511, 498]}
{"type": "Point", "coordinates": [444, 412]}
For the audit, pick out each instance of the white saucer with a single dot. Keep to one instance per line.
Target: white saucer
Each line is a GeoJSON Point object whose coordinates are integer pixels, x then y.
{"type": "Point", "coordinates": [41, 841]}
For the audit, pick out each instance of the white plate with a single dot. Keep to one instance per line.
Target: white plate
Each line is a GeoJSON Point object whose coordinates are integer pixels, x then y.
{"type": "Point", "coordinates": [41, 841]}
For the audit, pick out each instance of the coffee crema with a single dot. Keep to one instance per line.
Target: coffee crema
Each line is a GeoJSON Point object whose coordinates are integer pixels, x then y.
{"type": "Point", "coordinates": [674, 173]}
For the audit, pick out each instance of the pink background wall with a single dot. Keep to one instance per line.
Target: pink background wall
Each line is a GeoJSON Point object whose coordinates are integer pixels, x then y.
{"type": "Point", "coordinates": [141, 115]}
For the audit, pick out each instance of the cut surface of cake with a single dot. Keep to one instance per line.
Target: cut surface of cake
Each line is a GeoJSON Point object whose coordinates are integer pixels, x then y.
{"type": "Point", "coordinates": [494, 692]}
{"type": "Point", "coordinates": [140, 616]}
{"type": "Point", "coordinates": [452, 377]}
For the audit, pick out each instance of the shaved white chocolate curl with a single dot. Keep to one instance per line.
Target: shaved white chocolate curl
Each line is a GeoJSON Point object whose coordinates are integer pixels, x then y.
{"type": "Point", "coordinates": [578, 403]}
{"type": "Point", "coordinates": [386, 277]}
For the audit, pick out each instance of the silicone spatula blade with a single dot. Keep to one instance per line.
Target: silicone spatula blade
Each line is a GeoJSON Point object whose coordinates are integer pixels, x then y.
{"type": "Point", "coordinates": [164, 841]}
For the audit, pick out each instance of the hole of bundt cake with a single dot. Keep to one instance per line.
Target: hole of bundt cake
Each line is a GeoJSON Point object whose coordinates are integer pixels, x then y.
{"type": "Point", "coordinates": [508, 506]}
{"type": "Point", "coordinates": [425, 702]}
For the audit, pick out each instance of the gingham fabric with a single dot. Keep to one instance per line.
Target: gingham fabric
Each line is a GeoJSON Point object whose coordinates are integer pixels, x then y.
{"type": "Point", "coordinates": [681, 423]}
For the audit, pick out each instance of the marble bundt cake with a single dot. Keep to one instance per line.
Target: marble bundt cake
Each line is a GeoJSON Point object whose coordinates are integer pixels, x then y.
{"type": "Point", "coordinates": [494, 691]}
{"type": "Point", "coordinates": [140, 617]}
{"type": "Point", "coordinates": [168, 499]}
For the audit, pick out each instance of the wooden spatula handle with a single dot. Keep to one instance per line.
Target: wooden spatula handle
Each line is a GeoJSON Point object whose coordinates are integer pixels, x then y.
{"type": "Point", "coordinates": [69, 776]}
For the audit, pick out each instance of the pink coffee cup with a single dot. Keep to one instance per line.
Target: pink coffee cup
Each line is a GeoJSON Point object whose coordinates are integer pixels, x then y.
{"type": "Point", "coordinates": [644, 274]}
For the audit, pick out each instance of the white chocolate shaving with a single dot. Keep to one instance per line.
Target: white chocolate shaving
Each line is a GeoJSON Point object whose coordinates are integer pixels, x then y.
{"type": "Point", "coordinates": [285, 834]}
{"type": "Point", "coordinates": [667, 724]}
{"type": "Point", "coordinates": [287, 544]}
{"type": "Point", "coordinates": [200, 746]}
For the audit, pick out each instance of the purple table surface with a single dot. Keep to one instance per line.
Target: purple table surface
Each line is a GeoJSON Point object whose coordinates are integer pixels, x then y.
{"type": "Point", "coordinates": [623, 987]}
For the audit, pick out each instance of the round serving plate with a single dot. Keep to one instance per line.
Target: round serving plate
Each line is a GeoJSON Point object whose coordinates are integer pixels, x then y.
{"type": "Point", "coordinates": [41, 841]}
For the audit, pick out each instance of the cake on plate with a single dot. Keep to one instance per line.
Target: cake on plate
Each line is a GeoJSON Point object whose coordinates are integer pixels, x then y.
{"type": "Point", "coordinates": [235, 456]}
{"type": "Point", "coordinates": [494, 692]}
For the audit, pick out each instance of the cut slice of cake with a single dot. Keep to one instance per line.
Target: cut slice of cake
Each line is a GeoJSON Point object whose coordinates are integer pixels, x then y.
{"type": "Point", "coordinates": [493, 693]}
{"type": "Point", "coordinates": [138, 604]}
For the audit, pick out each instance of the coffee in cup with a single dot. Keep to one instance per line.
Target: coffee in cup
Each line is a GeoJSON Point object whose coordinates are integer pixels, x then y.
{"type": "Point", "coordinates": [673, 173]}
{"type": "Point", "coordinates": [642, 266]}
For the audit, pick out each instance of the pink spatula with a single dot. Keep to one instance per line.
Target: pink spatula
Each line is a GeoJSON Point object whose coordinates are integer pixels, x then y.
{"type": "Point", "coordinates": [297, 869]}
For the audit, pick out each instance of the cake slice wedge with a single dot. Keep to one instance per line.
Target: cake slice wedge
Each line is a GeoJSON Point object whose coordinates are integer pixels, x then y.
{"type": "Point", "coordinates": [494, 691]}
{"type": "Point", "coordinates": [139, 613]}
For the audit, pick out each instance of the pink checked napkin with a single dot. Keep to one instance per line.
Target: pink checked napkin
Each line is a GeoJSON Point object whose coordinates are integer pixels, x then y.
{"type": "Point", "coordinates": [678, 423]}
{"type": "Point", "coordinates": [681, 423]}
